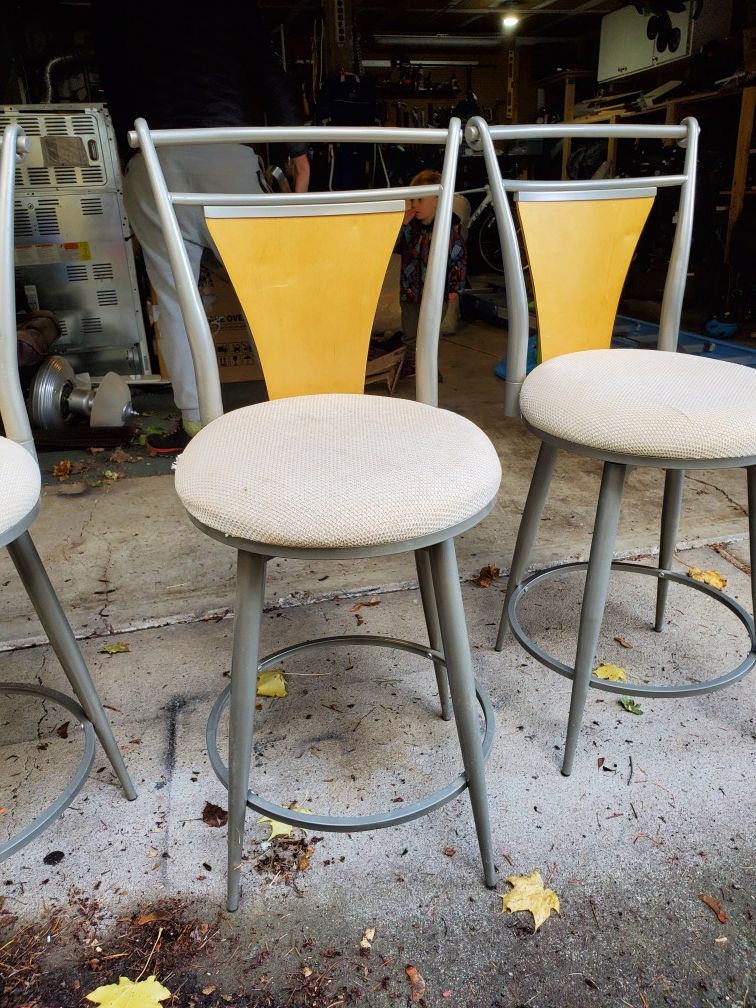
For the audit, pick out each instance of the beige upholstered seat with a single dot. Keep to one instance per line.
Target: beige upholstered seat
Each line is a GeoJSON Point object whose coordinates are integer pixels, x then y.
{"type": "Point", "coordinates": [19, 484]}
{"type": "Point", "coordinates": [645, 403]}
{"type": "Point", "coordinates": [337, 471]}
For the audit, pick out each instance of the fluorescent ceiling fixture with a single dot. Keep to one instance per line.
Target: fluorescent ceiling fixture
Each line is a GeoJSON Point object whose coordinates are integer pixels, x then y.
{"type": "Point", "coordinates": [439, 41]}
{"type": "Point", "coordinates": [510, 21]}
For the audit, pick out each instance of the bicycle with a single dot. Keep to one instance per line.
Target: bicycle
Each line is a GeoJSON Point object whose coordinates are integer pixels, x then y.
{"type": "Point", "coordinates": [485, 246]}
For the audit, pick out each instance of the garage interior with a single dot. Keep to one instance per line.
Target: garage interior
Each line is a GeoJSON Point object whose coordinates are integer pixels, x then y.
{"type": "Point", "coordinates": [659, 812]}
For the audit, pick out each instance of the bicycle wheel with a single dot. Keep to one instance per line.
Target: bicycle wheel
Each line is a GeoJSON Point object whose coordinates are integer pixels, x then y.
{"type": "Point", "coordinates": [489, 246]}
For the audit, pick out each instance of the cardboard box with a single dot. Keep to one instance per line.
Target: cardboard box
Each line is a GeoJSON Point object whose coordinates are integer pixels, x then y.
{"type": "Point", "coordinates": [234, 346]}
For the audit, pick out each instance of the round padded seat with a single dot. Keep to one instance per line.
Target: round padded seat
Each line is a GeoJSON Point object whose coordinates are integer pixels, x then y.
{"type": "Point", "coordinates": [20, 484]}
{"type": "Point", "coordinates": [337, 472]}
{"type": "Point", "coordinates": [645, 403]}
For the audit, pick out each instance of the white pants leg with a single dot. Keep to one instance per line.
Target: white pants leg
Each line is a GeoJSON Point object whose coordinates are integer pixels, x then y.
{"type": "Point", "coordinates": [230, 168]}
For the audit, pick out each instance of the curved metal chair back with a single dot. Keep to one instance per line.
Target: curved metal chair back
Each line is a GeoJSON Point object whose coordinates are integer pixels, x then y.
{"type": "Point", "coordinates": [580, 237]}
{"type": "Point", "coordinates": [12, 407]}
{"type": "Point", "coordinates": [307, 267]}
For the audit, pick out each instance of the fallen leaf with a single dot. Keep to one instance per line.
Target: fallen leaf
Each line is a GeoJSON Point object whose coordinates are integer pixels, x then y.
{"type": "Point", "coordinates": [529, 893]}
{"type": "Point", "coordinates": [715, 907]}
{"type": "Point", "coordinates": [367, 939]}
{"type": "Point", "coordinates": [449, 851]}
{"type": "Point", "coordinates": [67, 468]}
{"type": "Point", "coordinates": [117, 648]}
{"type": "Point", "coordinates": [271, 682]}
{"type": "Point", "coordinates": [362, 605]}
{"type": "Point", "coordinates": [95, 451]}
{"type": "Point", "coordinates": [214, 815]}
{"type": "Point", "coordinates": [279, 828]}
{"type": "Point", "coordinates": [149, 918]}
{"type": "Point", "coordinates": [630, 705]}
{"type": "Point", "coordinates": [613, 672]}
{"type": "Point", "coordinates": [210, 989]}
{"type": "Point", "coordinates": [417, 984]}
{"type": "Point", "coordinates": [62, 729]}
{"type": "Point", "coordinates": [488, 575]}
{"type": "Point", "coordinates": [110, 475]}
{"type": "Point", "coordinates": [127, 994]}
{"type": "Point", "coordinates": [119, 456]}
{"type": "Point", "coordinates": [622, 642]}
{"type": "Point", "coordinates": [708, 577]}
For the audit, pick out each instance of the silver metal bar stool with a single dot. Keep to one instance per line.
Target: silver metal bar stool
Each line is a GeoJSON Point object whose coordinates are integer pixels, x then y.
{"type": "Point", "coordinates": [624, 407]}
{"type": "Point", "coordinates": [20, 486]}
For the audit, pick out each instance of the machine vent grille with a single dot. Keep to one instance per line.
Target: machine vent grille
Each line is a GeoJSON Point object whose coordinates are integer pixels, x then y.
{"type": "Point", "coordinates": [77, 273]}
{"type": "Point", "coordinates": [102, 271]}
{"type": "Point", "coordinates": [107, 298]}
{"type": "Point", "coordinates": [91, 205]}
{"type": "Point", "coordinates": [22, 223]}
{"type": "Point", "coordinates": [91, 326]}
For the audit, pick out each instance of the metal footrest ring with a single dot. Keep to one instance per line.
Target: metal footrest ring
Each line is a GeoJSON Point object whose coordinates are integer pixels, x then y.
{"type": "Point", "coordinates": [630, 688]}
{"type": "Point", "coordinates": [54, 809]}
{"type": "Point", "coordinates": [348, 824]}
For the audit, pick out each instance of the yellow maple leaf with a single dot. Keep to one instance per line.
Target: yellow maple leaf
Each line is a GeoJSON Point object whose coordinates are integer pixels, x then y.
{"type": "Point", "coordinates": [708, 577]}
{"type": "Point", "coordinates": [613, 672]}
{"type": "Point", "coordinates": [529, 893]}
{"type": "Point", "coordinates": [271, 682]}
{"type": "Point", "coordinates": [129, 994]}
{"type": "Point", "coordinates": [117, 648]}
{"type": "Point", "coordinates": [280, 828]}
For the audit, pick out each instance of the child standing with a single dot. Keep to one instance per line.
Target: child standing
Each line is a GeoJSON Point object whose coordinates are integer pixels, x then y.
{"type": "Point", "coordinates": [414, 246]}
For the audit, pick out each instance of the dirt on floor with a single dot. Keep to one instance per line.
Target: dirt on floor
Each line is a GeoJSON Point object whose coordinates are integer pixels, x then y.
{"type": "Point", "coordinates": [683, 943]}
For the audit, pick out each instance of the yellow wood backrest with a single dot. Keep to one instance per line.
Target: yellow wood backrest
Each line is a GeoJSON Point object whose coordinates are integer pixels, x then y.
{"type": "Point", "coordinates": [309, 285]}
{"type": "Point", "coordinates": [579, 251]}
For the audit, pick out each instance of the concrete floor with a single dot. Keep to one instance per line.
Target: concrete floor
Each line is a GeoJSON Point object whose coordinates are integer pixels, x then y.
{"type": "Point", "coordinates": [658, 812]}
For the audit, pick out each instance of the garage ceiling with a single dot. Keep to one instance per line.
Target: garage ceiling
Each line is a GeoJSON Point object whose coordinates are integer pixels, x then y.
{"type": "Point", "coordinates": [451, 22]}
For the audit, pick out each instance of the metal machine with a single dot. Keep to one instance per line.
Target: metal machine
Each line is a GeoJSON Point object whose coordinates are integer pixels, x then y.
{"type": "Point", "coordinates": [73, 250]}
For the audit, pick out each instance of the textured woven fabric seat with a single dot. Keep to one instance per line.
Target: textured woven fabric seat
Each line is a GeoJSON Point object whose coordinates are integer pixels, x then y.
{"type": "Point", "coordinates": [321, 471]}
{"type": "Point", "coordinates": [645, 403]}
{"type": "Point", "coordinates": [627, 408]}
{"type": "Point", "coordinates": [19, 484]}
{"type": "Point", "coordinates": [337, 471]}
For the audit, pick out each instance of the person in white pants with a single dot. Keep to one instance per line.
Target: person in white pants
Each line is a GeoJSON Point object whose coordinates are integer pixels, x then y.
{"type": "Point", "coordinates": [175, 66]}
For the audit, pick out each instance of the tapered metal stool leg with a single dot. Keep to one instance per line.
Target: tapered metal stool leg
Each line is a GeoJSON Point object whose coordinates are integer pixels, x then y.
{"type": "Point", "coordinates": [250, 598]}
{"type": "Point", "coordinates": [594, 599]}
{"type": "Point", "coordinates": [531, 516]}
{"type": "Point", "coordinates": [462, 686]}
{"type": "Point", "coordinates": [751, 477]}
{"type": "Point", "coordinates": [673, 492]}
{"type": "Point", "coordinates": [34, 577]}
{"type": "Point", "coordinates": [428, 597]}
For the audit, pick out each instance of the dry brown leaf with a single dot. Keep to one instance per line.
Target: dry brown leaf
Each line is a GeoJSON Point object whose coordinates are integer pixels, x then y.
{"type": "Point", "coordinates": [417, 984]}
{"type": "Point", "coordinates": [715, 907]}
{"type": "Point", "coordinates": [362, 605]}
{"type": "Point", "coordinates": [119, 456]}
{"type": "Point", "coordinates": [73, 489]}
{"type": "Point", "coordinates": [149, 918]}
{"type": "Point", "coordinates": [214, 815]}
{"type": "Point", "coordinates": [488, 575]}
{"type": "Point", "coordinates": [622, 642]}
{"type": "Point", "coordinates": [709, 577]}
{"type": "Point", "coordinates": [210, 989]}
{"type": "Point", "coordinates": [62, 470]}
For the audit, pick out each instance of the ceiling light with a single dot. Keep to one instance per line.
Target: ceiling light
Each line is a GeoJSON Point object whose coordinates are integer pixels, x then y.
{"type": "Point", "coordinates": [510, 21]}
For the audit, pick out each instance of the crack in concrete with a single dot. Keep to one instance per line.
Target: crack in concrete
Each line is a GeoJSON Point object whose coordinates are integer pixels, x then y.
{"type": "Point", "coordinates": [713, 486]}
